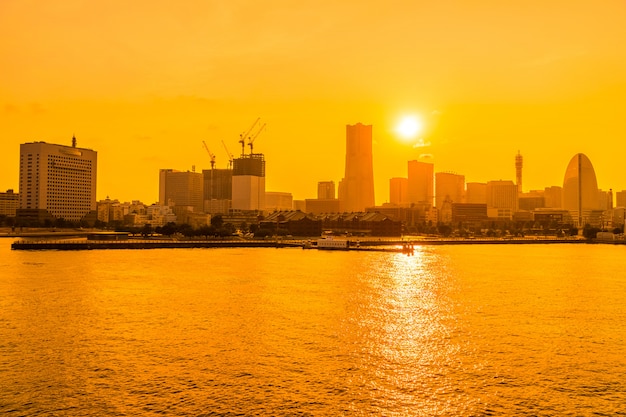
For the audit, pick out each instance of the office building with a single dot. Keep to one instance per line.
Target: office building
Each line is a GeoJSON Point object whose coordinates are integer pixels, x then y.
{"type": "Point", "coordinates": [321, 205]}
{"type": "Point", "coordinates": [356, 189]}
{"type": "Point", "coordinates": [519, 164]}
{"type": "Point", "coordinates": [553, 197]}
{"type": "Point", "coordinates": [398, 191]}
{"type": "Point", "coordinates": [9, 203]}
{"type": "Point", "coordinates": [449, 187]}
{"type": "Point", "coordinates": [620, 198]}
{"type": "Point", "coordinates": [420, 182]}
{"type": "Point", "coordinates": [502, 199]}
{"type": "Point", "coordinates": [278, 201]}
{"type": "Point", "coordinates": [476, 193]}
{"type": "Point", "coordinates": [326, 190]}
{"type": "Point", "coordinates": [57, 182]}
{"type": "Point", "coordinates": [248, 190]}
{"type": "Point", "coordinates": [217, 190]}
{"type": "Point", "coordinates": [580, 190]}
{"type": "Point", "coordinates": [181, 189]}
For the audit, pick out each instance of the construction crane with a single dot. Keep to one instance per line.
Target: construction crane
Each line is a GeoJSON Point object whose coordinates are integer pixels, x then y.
{"type": "Point", "coordinates": [251, 139]}
{"type": "Point", "coordinates": [242, 137]}
{"type": "Point", "coordinates": [230, 156]}
{"type": "Point", "coordinates": [210, 154]}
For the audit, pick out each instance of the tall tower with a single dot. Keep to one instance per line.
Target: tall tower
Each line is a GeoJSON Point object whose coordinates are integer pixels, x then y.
{"type": "Point", "coordinates": [519, 163]}
{"type": "Point", "coordinates": [421, 182]}
{"type": "Point", "coordinates": [181, 189]}
{"type": "Point", "coordinates": [57, 181]}
{"type": "Point", "coordinates": [580, 188]}
{"type": "Point", "coordinates": [356, 189]}
{"type": "Point", "coordinates": [248, 186]}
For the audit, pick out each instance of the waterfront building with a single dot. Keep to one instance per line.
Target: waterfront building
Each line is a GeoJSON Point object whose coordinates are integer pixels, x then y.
{"type": "Point", "coordinates": [605, 199]}
{"type": "Point", "coordinates": [469, 215]}
{"type": "Point", "coordinates": [476, 193]}
{"type": "Point", "coordinates": [181, 188]}
{"type": "Point", "coordinates": [248, 189]}
{"type": "Point", "coordinates": [278, 201]}
{"type": "Point", "coordinates": [217, 190]}
{"type": "Point", "coordinates": [57, 182]}
{"type": "Point", "coordinates": [111, 211]}
{"type": "Point", "coordinates": [291, 222]}
{"type": "Point", "coordinates": [398, 191]}
{"type": "Point", "coordinates": [502, 199]}
{"type": "Point", "coordinates": [326, 190]}
{"type": "Point", "coordinates": [580, 191]}
{"type": "Point", "coordinates": [9, 203]}
{"type": "Point", "coordinates": [420, 182]}
{"type": "Point", "coordinates": [531, 200]}
{"type": "Point", "coordinates": [356, 189]}
{"type": "Point", "coordinates": [412, 217]}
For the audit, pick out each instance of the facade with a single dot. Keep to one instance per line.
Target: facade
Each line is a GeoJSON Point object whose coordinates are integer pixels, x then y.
{"type": "Point", "coordinates": [532, 200]}
{"type": "Point", "coordinates": [356, 189]}
{"type": "Point", "coordinates": [181, 189]}
{"type": "Point", "coordinates": [420, 182]}
{"type": "Point", "coordinates": [57, 181]}
{"type": "Point", "coordinates": [469, 215]}
{"type": "Point", "coordinates": [248, 189]}
{"type": "Point", "coordinates": [326, 190]}
{"type": "Point", "coordinates": [9, 203]}
{"type": "Point", "coordinates": [476, 193]}
{"type": "Point", "coordinates": [449, 187]}
{"type": "Point", "coordinates": [502, 199]}
{"type": "Point", "coordinates": [217, 190]}
{"type": "Point", "coordinates": [620, 198]}
{"type": "Point", "coordinates": [111, 210]}
{"type": "Point", "coordinates": [398, 191]}
{"type": "Point", "coordinates": [553, 197]}
{"type": "Point", "coordinates": [580, 190]}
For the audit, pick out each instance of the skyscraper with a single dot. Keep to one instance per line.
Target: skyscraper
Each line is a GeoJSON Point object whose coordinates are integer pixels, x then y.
{"type": "Point", "coordinates": [181, 189]}
{"type": "Point", "coordinates": [449, 187]}
{"type": "Point", "coordinates": [57, 181]}
{"type": "Point", "coordinates": [325, 190]}
{"type": "Point", "coordinates": [398, 191]}
{"type": "Point", "coordinates": [420, 182]}
{"type": "Point", "coordinates": [580, 189]}
{"type": "Point", "coordinates": [356, 189]}
{"type": "Point", "coordinates": [249, 182]}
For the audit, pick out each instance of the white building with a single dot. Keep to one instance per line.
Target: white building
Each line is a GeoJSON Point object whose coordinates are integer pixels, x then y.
{"type": "Point", "coordinates": [57, 180]}
{"type": "Point", "coordinates": [249, 182]}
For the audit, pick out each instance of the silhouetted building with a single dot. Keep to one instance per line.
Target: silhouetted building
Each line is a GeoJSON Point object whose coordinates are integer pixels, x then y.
{"type": "Point", "coordinates": [217, 190]}
{"type": "Point", "coordinates": [57, 181]}
{"type": "Point", "coordinates": [469, 215]}
{"type": "Point", "coordinates": [292, 222]}
{"type": "Point", "coordinates": [580, 191]}
{"type": "Point", "coordinates": [356, 189]}
{"type": "Point", "coordinates": [318, 205]}
{"type": "Point", "coordinates": [553, 197]}
{"type": "Point", "coordinates": [620, 198]}
{"type": "Point", "coordinates": [398, 191]}
{"type": "Point", "coordinates": [531, 200]}
{"type": "Point", "coordinates": [9, 203]}
{"type": "Point", "coordinates": [326, 190]}
{"type": "Point", "coordinates": [248, 189]}
{"type": "Point", "coordinates": [181, 189]}
{"type": "Point", "coordinates": [449, 189]}
{"type": "Point", "coordinates": [420, 182]}
{"type": "Point", "coordinates": [361, 224]}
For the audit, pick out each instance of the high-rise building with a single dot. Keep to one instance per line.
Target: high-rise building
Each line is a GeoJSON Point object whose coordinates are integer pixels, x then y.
{"type": "Point", "coordinates": [217, 190]}
{"type": "Point", "coordinates": [356, 189]}
{"type": "Point", "coordinates": [325, 190]}
{"type": "Point", "coordinates": [248, 189]}
{"type": "Point", "coordinates": [553, 197]}
{"type": "Point", "coordinates": [519, 164]}
{"type": "Point", "coordinates": [57, 181]}
{"type": "Point", "coordinates": [181, 189]}
{"type": "Point", "coordinates": [398, 191]}
{"type": "Point", "coordinates": [420, 182]}
{"type": "Point", "coordinates": [476, 193]}
{"type": "Point", "coordinates": [620, 198]}
{"type": "Point", "coordinates": [580, 189]}
{"type": "Point", "coordinates": [502, 199]}
{"type": "Point", "coordinates": [278, 201]}
{"type": "Point", "coordinates": [449, 187]}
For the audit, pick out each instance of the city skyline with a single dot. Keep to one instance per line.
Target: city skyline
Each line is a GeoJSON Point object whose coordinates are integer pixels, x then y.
{"type": "Point", "coordinates": [485, 81]}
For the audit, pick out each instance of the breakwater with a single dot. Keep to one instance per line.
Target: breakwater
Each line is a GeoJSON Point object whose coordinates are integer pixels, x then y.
{"type": "Point", "coordinates": [383, 245]}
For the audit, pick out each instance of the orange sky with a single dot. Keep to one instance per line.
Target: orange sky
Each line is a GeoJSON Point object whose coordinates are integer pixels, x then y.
{"type": "Point", "coordinates": [145, 82]}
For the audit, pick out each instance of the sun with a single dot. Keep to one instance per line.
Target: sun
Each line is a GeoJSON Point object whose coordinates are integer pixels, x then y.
{"type": "Point", "coordinates": [408, 127]}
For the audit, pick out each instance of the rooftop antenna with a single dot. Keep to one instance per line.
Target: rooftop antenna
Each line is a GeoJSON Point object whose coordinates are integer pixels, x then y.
{"type": "Point", "coordinates": [73, 141]}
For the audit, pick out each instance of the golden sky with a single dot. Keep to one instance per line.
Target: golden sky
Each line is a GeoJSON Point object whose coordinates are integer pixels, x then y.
{"type": "Point", "coordinates": [145, 82]}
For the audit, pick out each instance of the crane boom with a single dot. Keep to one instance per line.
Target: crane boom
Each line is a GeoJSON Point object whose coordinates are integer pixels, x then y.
{"type": "Point", "coordinates": [251, 139]}
{"type": "Point", "coordinates": [210, 154]}
{"type": "Point", "coordinates": [242, 137]}
{"type": "Point", "coordinates": [230, 155]}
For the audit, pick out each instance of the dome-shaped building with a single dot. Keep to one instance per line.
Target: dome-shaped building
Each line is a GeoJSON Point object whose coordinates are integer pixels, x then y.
{"type": "Point", "coordinates": [580, 189]}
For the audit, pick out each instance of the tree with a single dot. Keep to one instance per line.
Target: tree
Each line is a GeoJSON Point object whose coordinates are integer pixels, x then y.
{"type": "Point", "coordinates": [217, 221]}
